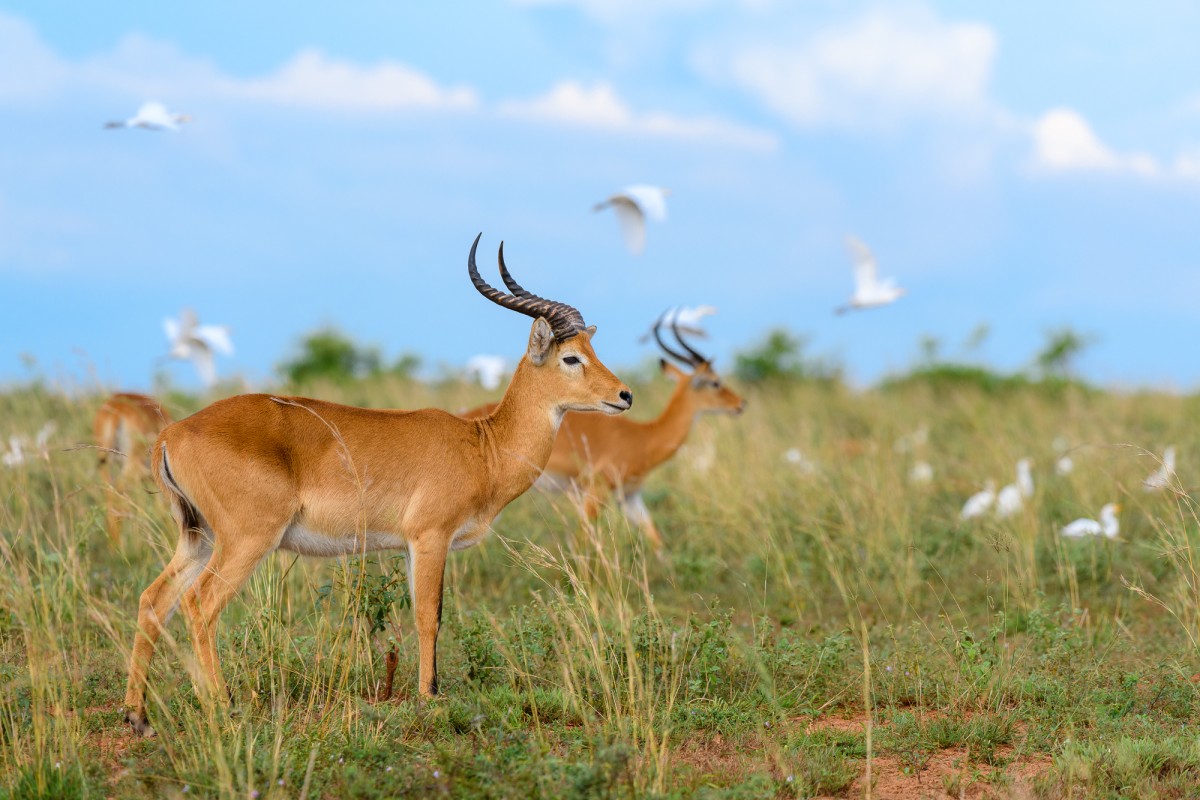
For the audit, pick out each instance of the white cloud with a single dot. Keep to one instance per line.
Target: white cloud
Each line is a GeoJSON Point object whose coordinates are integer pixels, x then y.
{"type": "Point", "coordinates": [1063, 141]}
{"type": "Point", "coordinates": [144, 68]}
{"type": "Point", "coordinates": [599, 107]}
{"type": "Point", "coordinates": [314, 80]}
{"type": "Point", "coordinates": [885, 66]}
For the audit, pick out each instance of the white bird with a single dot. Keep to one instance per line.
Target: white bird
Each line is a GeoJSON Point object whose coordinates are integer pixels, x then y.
{"type": "Point", "coordinates": [152, 116]}
{"type": "Point", "coordinates": [686, 318]}
{"type": "Point", "coordinates": [42, 440]}
{"type": "Point", "coordinates": [632, 205]}
{"type": "Point", "coordinates": [15, 456]}
{"type": "Point", "coordinates": [1065, 464]}
{"type": "Point", "coordinates": [978, 504]}
{"type": "Point", "coordinates": [1012, 497]}
{"type": "Point", "coordinates": [921, 472]}
{"type": "Point", "coordinates": [488, 370]}
{"type": "Point", "coordinates": [1108, 525]}
{"type": "Point", "coordinates": [869, 291]}
{"type": "Point", "coordinates": [797, 459]}
{"type": "Point", "coordinates": [195, 342]}
{"type": "Point", "coordinates": [1161, 478]}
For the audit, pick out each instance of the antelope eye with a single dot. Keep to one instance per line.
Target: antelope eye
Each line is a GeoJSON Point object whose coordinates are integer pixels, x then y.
{"type": "Point", "coordinates": [570, 360]}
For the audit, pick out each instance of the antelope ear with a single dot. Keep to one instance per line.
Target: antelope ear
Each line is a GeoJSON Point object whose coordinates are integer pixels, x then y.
{"type": "Point", "coordinates": [671, 371]}
{"type": "Point", "coordinates": [590, 330]}
{"type": "Point", "coordinates": [541, 338]}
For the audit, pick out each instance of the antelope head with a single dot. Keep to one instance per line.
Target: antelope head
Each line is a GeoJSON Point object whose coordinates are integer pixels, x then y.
{"type": "Point", "coordinates": [559, 364]}
{"type": "Point", "coordinates": [705, 387]}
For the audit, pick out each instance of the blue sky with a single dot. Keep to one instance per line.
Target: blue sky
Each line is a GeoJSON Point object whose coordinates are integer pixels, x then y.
{"type": "Point", "coordinates": [1023, 165]}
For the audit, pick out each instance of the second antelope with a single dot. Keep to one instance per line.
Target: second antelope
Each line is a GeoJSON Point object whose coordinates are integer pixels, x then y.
{"type": "Point", "coordinates": [254, 473]}
{"type": "Point", "coordinates": [598, 456]}
{"type": "Point", "coordinates": [124, 428]}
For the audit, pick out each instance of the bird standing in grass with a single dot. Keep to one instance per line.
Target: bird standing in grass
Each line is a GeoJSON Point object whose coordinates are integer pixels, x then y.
{"type": "Point", "coordinates": [1012, 497]}
{"type": "Point", "coordinates": [869, 290]}
{"type": "Point", "coordinates": [152, 116]}
{"type": "Point", "coordinates": [633, 205]}
{"type": "Point", "coordinates": [1108, 526]}
{"type": "Point", "coordinates": [978, 504]}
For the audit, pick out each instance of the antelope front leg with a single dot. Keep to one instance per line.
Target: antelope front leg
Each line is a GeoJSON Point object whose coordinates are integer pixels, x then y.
{"type": "Point", "coordinates": [426, 572]}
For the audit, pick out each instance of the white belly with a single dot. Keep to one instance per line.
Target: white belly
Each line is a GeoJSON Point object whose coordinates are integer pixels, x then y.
{"type": "Point", "coordinates": [307, 542]}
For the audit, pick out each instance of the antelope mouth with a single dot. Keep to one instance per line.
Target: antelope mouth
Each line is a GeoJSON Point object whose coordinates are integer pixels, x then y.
{"type": "Point", "coordinates": [613, 408]}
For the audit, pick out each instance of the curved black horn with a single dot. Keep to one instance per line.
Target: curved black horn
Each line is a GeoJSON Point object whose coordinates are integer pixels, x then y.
{"type": "Point", "coordinates": [565, 321]}
{"type": "Point", "coordinates": [697, 358]}
{"type": "Point", "coordinates": [658, 338]}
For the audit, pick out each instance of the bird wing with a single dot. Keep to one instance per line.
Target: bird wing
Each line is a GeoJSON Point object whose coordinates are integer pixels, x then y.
{"type": "Point", "coordinates": [688, 319]}
{"type": "Point", "coordinates": [154, 114]}
{"type": "Point", "coordinates": [633, 224]}
{"type": "Point", "coordinates": [652, 200]}
{"type": "Point", "coordinates": [43, 435]}
{"type": "Point", "coordinates": [187, 321]}
{"type": "Point", "coordinates": [171, 327]}
{"type": "Point", "coordinates": [1081, 527]}
{"type": "Point", "coordinates": [216, 337]}
{"type": "Point", "coordinates": [866, 273]}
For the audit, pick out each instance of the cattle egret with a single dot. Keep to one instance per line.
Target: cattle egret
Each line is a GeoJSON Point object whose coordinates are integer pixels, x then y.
{"type": "Point", "coordinates": [1108, 525]}
{"type": "Point", "coordinates": [1161, 478]}
{"type": "Point", "coordinates": [488, 370]}
{"type": "Point", "coordinates": [633, 205]}
{"type": "Point", "coordinates": [869, 291]}
{"type": "Point", "coordinates": [153, 116]}
{"type": "Point", "coordinates": [15, 455]}
{"type": "Point", "coordinates": [1012, 497]}
{"type": "Point", "coordinates": [797, 459]}
{"type": "Point", "coordinates": [978, 504]}
{"type": "Point", "coordinates": [686, 318]}
{"type": "Point", "coordinates": [189, 340]}
{"type": "Point", "coordinates": [921, 472]}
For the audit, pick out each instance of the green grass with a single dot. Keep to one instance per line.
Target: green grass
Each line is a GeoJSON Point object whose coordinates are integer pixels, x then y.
{"type": "Point", "coordinates": [575, 664]}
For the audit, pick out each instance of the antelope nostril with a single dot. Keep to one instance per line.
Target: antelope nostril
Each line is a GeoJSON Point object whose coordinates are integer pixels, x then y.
{"type": "Point", "coordinates": [627, 396]}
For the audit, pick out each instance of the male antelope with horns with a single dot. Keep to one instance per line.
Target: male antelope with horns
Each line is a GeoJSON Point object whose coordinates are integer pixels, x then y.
{"type": "Point", "coordinates": [252, 474]}
{"type": "Point", "coordinates": [597, 456]}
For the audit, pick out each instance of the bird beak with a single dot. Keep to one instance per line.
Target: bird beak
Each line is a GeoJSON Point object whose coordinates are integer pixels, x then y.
{"type": "Point", "coordinates": [1117, 508]}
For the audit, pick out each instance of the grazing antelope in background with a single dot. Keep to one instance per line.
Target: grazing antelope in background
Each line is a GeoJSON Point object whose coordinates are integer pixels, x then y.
{"type": "Point", "coordinates": [124, 428]}
{"type": "Point", "coordinates": [598, 455]}
{"type": "Point", "coordinates": [254, 473]}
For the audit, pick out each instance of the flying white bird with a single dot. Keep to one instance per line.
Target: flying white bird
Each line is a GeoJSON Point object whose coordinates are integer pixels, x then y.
{"type": "Point", "coordinates": [152, 116]}
{"type": "Point", "coordinates": [686, 318]}
{"type": "Point", "coordinates": [632, 205]}
{"type": "Point", "coordinates": [869, 291]}
{"type": "Point", "coordinates": [1108, 525]}
{"type": "Point", "coordinates": [1012, 497]}
{"type": "Point", "coordinates": [1161, 478]}
{"type": "Point", "coordinates": [978, 504]}
{"type": "Point", "coordinates": [488, 370]}
{"type": "Point", "coordinates": [195, 342]}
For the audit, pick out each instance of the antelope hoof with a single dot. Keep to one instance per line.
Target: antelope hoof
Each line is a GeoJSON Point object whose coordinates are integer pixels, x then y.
{"type": "Point", "coordinates": [141, 725]}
